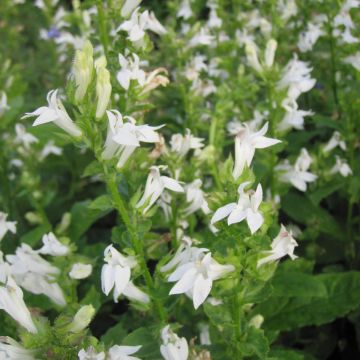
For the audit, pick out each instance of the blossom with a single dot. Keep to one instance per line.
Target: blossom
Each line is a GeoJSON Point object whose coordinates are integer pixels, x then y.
{"type": "Point", "coordinates": [11, 301]}
{"type": "Point", "coordinates": [308, 39]}
{"type": "Point", "coordinates": [3, 103]}
{"type": "Point", "coordinates": [155, 79]}
{"type": "Point", "coordinates": [129, 6]}
{"type": "Point", "coordinates": [284, 244]}
{"type": "Point", "coordinates": [173, 347]}
{"type": "Point", "coordinates": [335, 140]}
{"type": "Point", "coordinates": [81, 319]}
{"type": "Point", "coordinates": [214, 20]}
{"type": "Point", "coordinates": [6, 226]}
{"type": "Point", "coordinates": [196, 275]}
{"type": "Point", "coordinates": [23, 137]}
{"type": "Point", "coordinates": [201, 38]}
{"type": "Point", "coordinates": [353, 60]}
{"type": "Point", "coordinates": [155, 185]}
{"type": "Point", "coordinates": [123, 138]}
{"type": "Point", "coordinates": [12, 350]}
{"type": "Point", "coordinates": [116, 274]}
{"type": "Point", "coordinates": [247, 208]}
{"type": "Point", "coordinates": [184, 11]}
{"type": "Point", "coordinates": [182, 144]}
{"type": "Point", "coordinates": [117, 352]}
{"type": "Point", "coordinates": [52, 246]}
{"type": "Point", "coordinates": [91, 354]}
{"type": "Point", "coordinates": [130, 70]}
{"type": "Point", "coordinates": [35, 274]}
{"type": "Point", "coordinates": [342, 167]}
{"type": "Point", "coordinates": [50, 148]}
{"type": "Point", "coordinates": [195, 197]}
{"type": "Point", "coordinates": [54, 112]}
{"type": "Point", "coordinates": [293, 118]}
{"type": "Point", "coordinates": [297, 175]}
{"type": "Point", "coordinates": [80, 271]}
{"type": "Point", "coordinates": [269, 56]}
{"type": "Point", "coordinates": [246, 142]}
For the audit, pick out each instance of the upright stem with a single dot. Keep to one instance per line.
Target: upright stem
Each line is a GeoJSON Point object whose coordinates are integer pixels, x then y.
{"type": "Point", "coordinates": [102, 27]}
{"type": "Point", "coordinates": [138, 246]}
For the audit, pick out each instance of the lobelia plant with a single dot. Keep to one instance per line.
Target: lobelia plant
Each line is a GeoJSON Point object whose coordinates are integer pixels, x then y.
{"type": "Point", "coordinates": [190, 189]}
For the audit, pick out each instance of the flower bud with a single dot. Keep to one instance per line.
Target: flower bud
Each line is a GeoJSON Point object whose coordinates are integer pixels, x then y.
{"type": "Point", "coordinates": [270, 52]}
{"type": "Point", "coordinates": [82, 318]}
{"type": "Point", "coordinates": [252, 57]}
{"type": "Point", "coordinates": [103, 91]}
{"type": "Point", "coordinates": [83, 68]}
{"type": "Point", "coordinates": [256, 321]}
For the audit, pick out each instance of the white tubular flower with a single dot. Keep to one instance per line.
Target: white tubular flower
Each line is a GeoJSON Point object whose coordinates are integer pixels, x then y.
{"type": "Point", "coordinates": [6, 226]}
{"type": "Point", "coordinates": [335, 141]}
{"type": "Point", "coordinates": [297, 175]}
{"type": "Point", "coordinates": [173, 347]}
{"type": "Point", "coordinates": [270, 50]}
{"type": "Point", "coordinates": [103, 91]}
{"type": "Point", "coordinates": [214, 20]}
{"type": "Point", "coordinates": [3, 103]}
{"type": "Point", "coordinates": [83, 69]}
{"type": "Point", "coordinates": [284, 244]}
{"type": "Point", "coordinates": [296, 78]}
{"type": "Point", "coordinates": [246, 142]}
{"type": "Point", "coordinates": [155, 185]}
{"type": "Point", "coordinates": [195, 277]}
{"type": "Point", "coordinates": [195, 196]}
{"type": "Point", "coordinates": [293, 118]}
{"type": "Point", "coordinates": [184, 11]}
{"type": "Point", "coordinates": [23, 137]}
{"type": "Point", "coordinates": [12, 350]}
{"type": "Point", "coordinates": [90, 354]}
{"type": "Point", "coordinates": [182, 144]}
{"type": "Point", "coordinates": [117, 352]}
{"type": "Point", "coordinates": [54, 112]}
{"type": "Point", "coordinates": [80, 271]}
{"type": "Point", "coordinates": [52, 246]}
{"type": "Point", "coordinates": [130, 70]}
{"type": "Point", "coordinates": [353, 60]}
{"type": "Point", "coordinates": [202, 38]}
{"type": "Point", "coordinates": [123, 138]}
{"type": "Point", "coordinates": [82, 319]}
{"type": "Point", "coordinates": [155, 79]}
{"type": "Point", "coordinates": [247, 208]}
{"type": "Point", "coordinates": [35, 274]}
{"type": "Point", "coordinates": [204, 334]}
{"type": "Point", "coordinates": [116, 274]}
{"type": "Point", "coordinates": [308, 39]}
{"type": "Point", "coordinates": [128, 7]}
{"type": "Point", "coordinates": [11, 301]}
{"type": "Point", "coordinates": [341, 167]}
{"type": "Point", "coordinates": [4, 269]}
{"type": "Point", "coordinates": [251, 51]}
{"type": "Point", "coordinates": [48, 149]}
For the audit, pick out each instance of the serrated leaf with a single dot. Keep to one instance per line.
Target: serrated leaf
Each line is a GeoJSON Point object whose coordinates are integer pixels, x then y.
{"type": "Point", "coordinates": [102, 203]}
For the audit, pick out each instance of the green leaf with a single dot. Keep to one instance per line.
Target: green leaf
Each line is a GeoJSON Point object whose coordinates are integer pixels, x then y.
{"type": "Point", "coordinates": [34, 236]}
{"type": "Point", "coordinates": [255, 344]}
{"type": "Point", "coordinates": [296, 310]}
{"type": "Point", "coordinates": [325, 191]}
{"type": "Point", "coordinates": [114, 335]}
{"type": "Point", "coordinates": [102, 203]}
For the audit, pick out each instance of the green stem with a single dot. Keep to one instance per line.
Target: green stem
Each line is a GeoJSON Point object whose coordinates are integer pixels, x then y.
{"type": "Point", "coordinates": [102, 27]}
{"type": "Point", "coordinates": [120, 206]}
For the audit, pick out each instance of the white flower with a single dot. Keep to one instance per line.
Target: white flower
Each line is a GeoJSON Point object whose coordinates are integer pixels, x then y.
{"type": "Point", "coordinates": [11, 301]}
{"type": "Point", "coordinates": [81, 319]}
{"type": "Point", "coordinates": [284, 244]}
{"type": "Point", "coordinates": [23, 137]}
{"type": "Point", "coordinates": [335, 140]}
{"type": "Point", "coordinates": [247, 208]}
{"type": "Point", "coordinates": [12, 350]}
{"type": "Point", "coordinates": [123, 138]}
{"type": "Point", "coordinates": [35, 274]}
{"type": "Point", "coordinates": [269, 56]}
{"type": "Point", "coordinates": [353, 60]}
{"type": "Point", "coordinates": [155, 185]}
{"type": "Point", "coordinates": [54, 112]}
{"type": "Point", "coordinates": [116, 274]}
{"type": "Point", "coordinates": [195, 196]}
{"type": "Point", "coordinates": [80, 271]}
{"type": "Point", "coordinates": [297, 175]}
{"type": "Point", "coordinates": [103, 90]}
{"type": "Point", "coordinates": [52, 246]}
{"type": "Point", "coordinates": [195, 66]}
{"type": "Point", "coordinates": [130, 70]}
{"type": "Point", "coordinates": [117, 352]}
{"type": "Point", "coordinates": [129, 6]}
{"type": "Point", "coordinates": [182, 144]}
{"type": "Point", "coordinates": [214, 20]}
{"type": "Point", "coordinates": [173, 347]}
{"type": "Point", "coordinates": [6, 226]}
{"type": "Point", "coordinates": [293, 118]}
{"type": "Point", "coordinates": [50, 148]}
{"type": "Point", "coordinates": [201, 38]}
{"type": "Point", "coordinates": [195, 277]}
{"type": "Point", "coordinates": [287, 9]}
{"type": "Point", "coordinates": [342, 167]}
{"type": "Point", "coordinates": [90, 354]}
{"type": "Point", "coordinates": [308, 39]}
{"type": "Point", "coordinates": [246, 142]}
{"type": "Point", "coordinates": [296, 78]}
{"type": "Point", "coordinates": [3, 103]}
{"type": "Point", "coordinates": [184, 11]}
